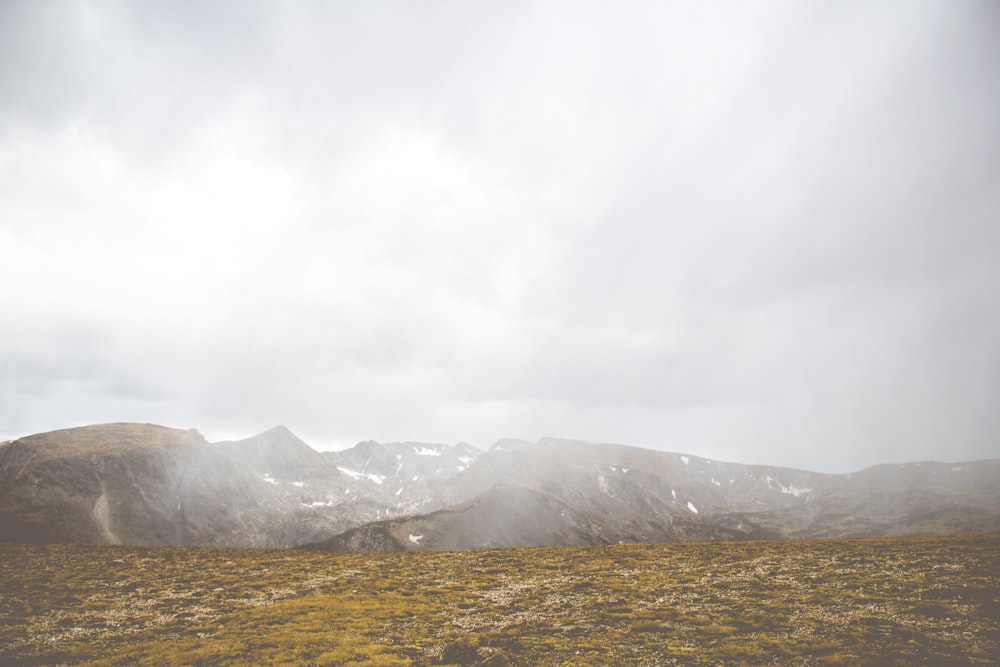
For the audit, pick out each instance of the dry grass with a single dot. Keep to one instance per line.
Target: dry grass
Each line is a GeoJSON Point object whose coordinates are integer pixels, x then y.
{"type": "Point", "coordinates": [892, 601]}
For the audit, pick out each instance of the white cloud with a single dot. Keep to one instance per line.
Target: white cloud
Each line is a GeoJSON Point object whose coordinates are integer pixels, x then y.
{"type": "Point", "coordinates": [764, 233]}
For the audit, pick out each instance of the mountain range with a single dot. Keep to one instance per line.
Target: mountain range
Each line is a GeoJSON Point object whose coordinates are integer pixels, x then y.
{"type": "Point", "coordinates": [151, 485]}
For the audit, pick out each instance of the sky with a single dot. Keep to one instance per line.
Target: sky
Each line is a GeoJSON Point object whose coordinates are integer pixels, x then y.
{"type": "Point", "coordinates": [761, 232]}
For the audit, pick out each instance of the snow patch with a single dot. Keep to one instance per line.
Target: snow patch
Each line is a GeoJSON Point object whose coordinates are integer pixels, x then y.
{"type": "Point", "coordinates": [673, 493]}
{"type": "Point", "coordinates": [354, 474]}
{"type": "Point", "coordinates": [427, 451]}
{"type": "Point", "coordinates": [298, 484]}
{"type": "Point", "coordinates": [602, 484]}
{"type": "Point", "coordinates": [715, 482]}
{"type": "Point", "coordinates": [790, 490]}
{"type": "Point", "coordinates": [956, 468]}
{"type": "Point", "coordinates": [398, 491]}
{"type": "Point", "coordinates": [793, 490]}
{"type": "Point", "coordinates": [466, 460]}
{"type": "Point", "coordinates": [267, 478]}
{"type": "Point", "coordinates": [416, 538]}
{"type": "Point", "coordinates": [686, 459]}
{"type": "Point", "coordinates": [692, 507]}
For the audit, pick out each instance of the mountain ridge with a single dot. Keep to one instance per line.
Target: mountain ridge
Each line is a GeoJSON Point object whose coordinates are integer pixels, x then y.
{"type": "Point", "coordinates": [148, 484]}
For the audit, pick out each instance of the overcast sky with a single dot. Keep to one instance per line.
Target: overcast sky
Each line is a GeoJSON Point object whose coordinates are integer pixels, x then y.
{"type": "Point", "coordinates": [766, 232]}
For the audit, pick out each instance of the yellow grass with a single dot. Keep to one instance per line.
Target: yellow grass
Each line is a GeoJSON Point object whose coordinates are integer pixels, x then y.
{"type": "Point", "coordinates": [838, 602]}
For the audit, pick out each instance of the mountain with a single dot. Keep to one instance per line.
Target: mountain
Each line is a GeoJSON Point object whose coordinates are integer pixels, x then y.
{"type": "Point", "coordinates": [153, 485]}
{"type": "Point", "coordinates": [403, 477]}
{"type": "Point", "coordinates": [124, 483]}
{"type": "Point", "coordinates": [278, 454]}
{"type": "Point", "coordinates": [561, 492]}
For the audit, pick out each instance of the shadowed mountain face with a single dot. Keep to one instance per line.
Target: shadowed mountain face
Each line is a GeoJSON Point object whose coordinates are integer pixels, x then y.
{"type": "Point", "coordinates": [146, 484]}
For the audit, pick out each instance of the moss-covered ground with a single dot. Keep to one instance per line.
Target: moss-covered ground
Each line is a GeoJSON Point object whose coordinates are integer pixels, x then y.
{"type": "Point", "coordinates": [892, 601]}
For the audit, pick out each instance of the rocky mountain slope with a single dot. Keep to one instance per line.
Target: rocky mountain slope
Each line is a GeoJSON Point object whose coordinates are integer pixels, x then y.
{"type": "Point", "coordinates": [148, 485]}
{"type": "Point", "coordinates": [152, 485]}
{"type": "Point", "coordinates": [561, 492]}
{"type": "Point", "coordinates": [126, 483]}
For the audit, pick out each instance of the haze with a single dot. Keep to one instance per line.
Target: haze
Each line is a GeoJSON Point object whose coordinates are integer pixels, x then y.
{"type": "Point", "coordinates": [761, 232]}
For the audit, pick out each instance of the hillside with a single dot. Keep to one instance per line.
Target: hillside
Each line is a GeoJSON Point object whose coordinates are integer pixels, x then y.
{"type": "Point", "coordinates": [124, 484]}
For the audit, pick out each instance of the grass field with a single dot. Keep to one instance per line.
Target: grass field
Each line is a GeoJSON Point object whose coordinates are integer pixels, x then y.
{"type": "Point", "coordinates": [894, 601]}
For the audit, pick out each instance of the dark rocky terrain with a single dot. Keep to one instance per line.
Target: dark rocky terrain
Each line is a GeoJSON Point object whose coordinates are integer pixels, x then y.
{"type": "Point", "coordinates": [143, 484]}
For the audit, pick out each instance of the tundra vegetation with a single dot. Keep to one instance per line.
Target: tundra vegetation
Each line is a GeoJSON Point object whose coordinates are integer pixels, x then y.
{"type": "Point", "coordinates": [885, 601]}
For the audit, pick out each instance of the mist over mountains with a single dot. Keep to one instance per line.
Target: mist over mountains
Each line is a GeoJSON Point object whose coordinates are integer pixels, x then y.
{"type": "Point", "coordinates": [144, 484]}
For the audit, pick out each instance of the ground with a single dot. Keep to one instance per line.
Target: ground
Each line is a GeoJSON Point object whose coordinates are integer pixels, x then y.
{"type": "Point", "coordinates": [904, 601]}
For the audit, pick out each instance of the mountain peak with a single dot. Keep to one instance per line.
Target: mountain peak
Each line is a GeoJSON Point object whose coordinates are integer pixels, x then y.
{"type": "Point", "coordinates": [279, 430]}
{"type": "Point", "coordinates": [466, 448]}
{"type": "Point", "coordinates": [277, 451]}
{"type": "Point", "coordinates": [117, 436]}
{"type": "Point", "coordinates": [510, 445]}
{"type": "Point", "coordinates": [278, 436]}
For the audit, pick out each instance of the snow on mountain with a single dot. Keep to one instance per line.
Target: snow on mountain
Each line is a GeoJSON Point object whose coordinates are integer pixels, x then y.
{"type": "Point", "coordinates": [146, 484]}
{"type": "Point", "coordinates": [561, 492]}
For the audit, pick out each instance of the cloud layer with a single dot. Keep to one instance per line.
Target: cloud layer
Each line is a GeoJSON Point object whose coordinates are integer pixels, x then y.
{"type": "Point", "coordinates": [763, 233]}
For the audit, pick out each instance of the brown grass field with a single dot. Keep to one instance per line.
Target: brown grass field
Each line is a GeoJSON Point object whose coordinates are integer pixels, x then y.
{"type": "Point", "coordinates": [886, 601]}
